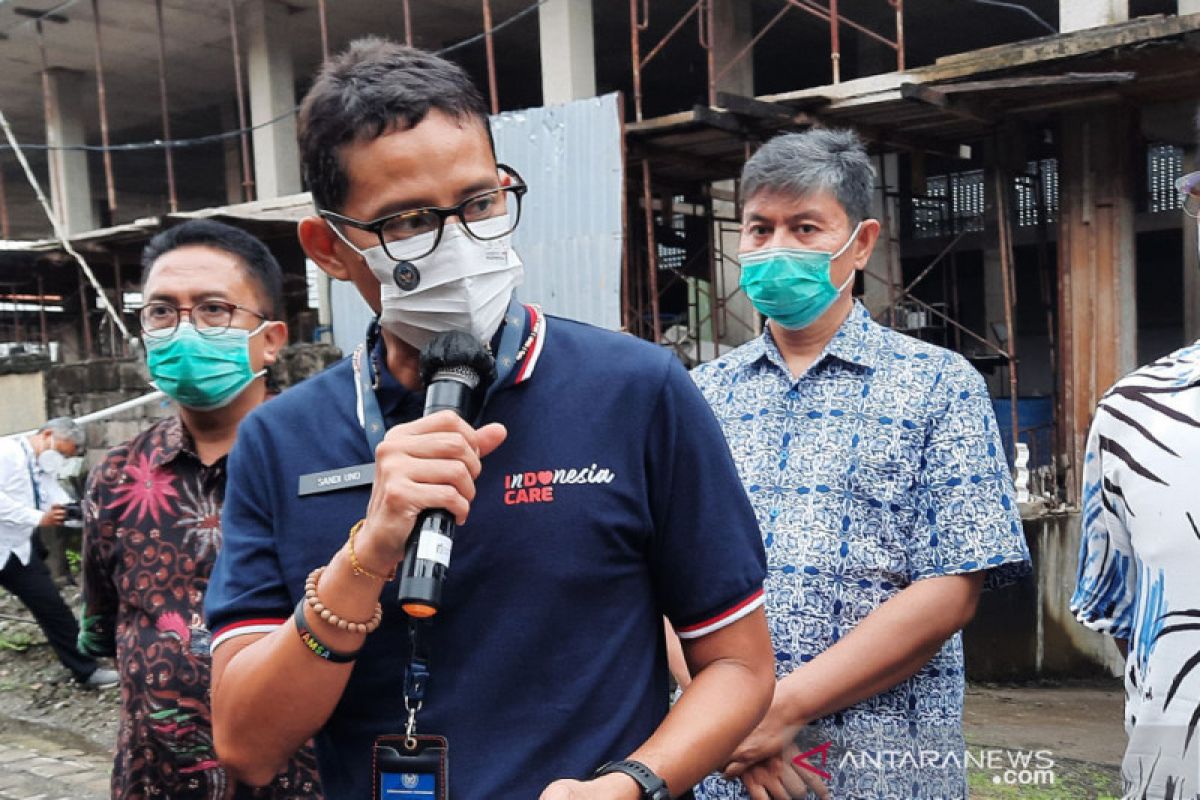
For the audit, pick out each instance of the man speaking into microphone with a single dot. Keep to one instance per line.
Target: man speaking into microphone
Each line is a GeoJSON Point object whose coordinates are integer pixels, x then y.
{"type": "Point", "coordinates": [589, 484]}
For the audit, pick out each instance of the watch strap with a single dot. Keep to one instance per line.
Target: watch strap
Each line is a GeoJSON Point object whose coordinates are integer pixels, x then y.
{"type": "Point", "coordinates": [653, 787]}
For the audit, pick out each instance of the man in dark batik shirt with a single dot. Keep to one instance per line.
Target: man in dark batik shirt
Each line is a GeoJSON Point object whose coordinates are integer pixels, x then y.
{"type": "Point", "coordinates": [152, 511]}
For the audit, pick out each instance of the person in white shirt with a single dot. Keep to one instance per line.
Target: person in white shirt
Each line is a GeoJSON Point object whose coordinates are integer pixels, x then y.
{"type": "Point", "coordinates": [29, 499]}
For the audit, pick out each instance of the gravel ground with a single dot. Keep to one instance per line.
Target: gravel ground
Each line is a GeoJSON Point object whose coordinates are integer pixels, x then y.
{"type": "Point", "coordinates": [35, 689]}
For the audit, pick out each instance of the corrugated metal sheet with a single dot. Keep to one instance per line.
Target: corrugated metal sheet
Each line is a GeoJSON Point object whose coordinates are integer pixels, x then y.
{"type": "Point", "coordinates": [570, 236]}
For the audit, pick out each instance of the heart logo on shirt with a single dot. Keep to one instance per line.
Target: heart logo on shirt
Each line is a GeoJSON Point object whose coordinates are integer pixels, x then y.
{"type": "Point", "coordinates": [539, 486]}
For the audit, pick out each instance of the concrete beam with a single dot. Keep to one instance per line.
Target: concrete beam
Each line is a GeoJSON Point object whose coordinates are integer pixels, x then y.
{"type": "Point", "coordinates": [272, 94]}
{"type": "Point", "coordinates": [1078, 15]}
{"type": "Point", "coordinates": [70, 185]}
{"type": "Point", "coordinates": [732, 30]}
{"type": "Point", "coordinates": [568, 51]}
{"type": "Point", "coordinates": [1189, 6]}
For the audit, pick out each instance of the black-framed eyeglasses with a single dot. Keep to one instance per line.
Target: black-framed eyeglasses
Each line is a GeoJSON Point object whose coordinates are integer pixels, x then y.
{"type": "Point", "coordinates": [1189, 193]}
{"type": "Point", "coordinates": [481, 216]}
{"type": "Point", "coordinates": [210, 318]}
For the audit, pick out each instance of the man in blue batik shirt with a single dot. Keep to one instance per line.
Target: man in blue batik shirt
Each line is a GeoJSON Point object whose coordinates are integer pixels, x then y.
{"type": "Point", "coordinates": [873, 463]}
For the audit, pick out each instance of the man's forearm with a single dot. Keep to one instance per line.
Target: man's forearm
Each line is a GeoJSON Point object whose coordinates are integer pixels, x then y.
{"type": "Point", "coordinates": [731, 688]}
{"type": "Point", "coordinates": [270, 694]}
{"type": "Point", "coordinates": [890, 645]}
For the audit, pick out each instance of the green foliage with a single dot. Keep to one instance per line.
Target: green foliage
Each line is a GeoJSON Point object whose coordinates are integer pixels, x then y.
{"type": "Point", "coordinates": [74, 560]}
{"type": "Point", "coordinates": [15, 640]}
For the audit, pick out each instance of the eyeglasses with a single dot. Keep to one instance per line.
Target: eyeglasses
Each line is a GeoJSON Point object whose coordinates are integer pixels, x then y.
{"type": "Point", "coordinates": [210, 318]}
{"type": "Point", "coordinates": [1189, 193]}
{"type": "Point", "coordinates": [396, 229]}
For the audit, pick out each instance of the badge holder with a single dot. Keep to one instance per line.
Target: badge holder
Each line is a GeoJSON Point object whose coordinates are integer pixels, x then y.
{"type": "Point", "coordinates": [409, 766]}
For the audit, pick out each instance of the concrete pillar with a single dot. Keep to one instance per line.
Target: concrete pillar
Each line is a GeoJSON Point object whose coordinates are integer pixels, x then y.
{"type": "Point", "coordinates": [1098, 163]}
{"type": "Point", "coordinates": [1189, 6]}
{"type": "Point", "coordinates": [568, 51]}
{"type": "Point", "coordinates": [70, 186]}
{"type": "Point", "coordinates": [733, 28]}
{"type": "Point", "coordinates": [1191, 263]}
{"type": "Point", "coordinates": [1076, 15]}
{"type": "Point", "coordinates": [232, 153]}
{"type": "Point", "coordinates": [272, 93]}
{"type": "Point", "coordinates": [881, 278]}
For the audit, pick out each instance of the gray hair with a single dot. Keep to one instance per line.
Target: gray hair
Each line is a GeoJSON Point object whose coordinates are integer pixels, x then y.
{"type": "Point", "coordinates": [66, 429]}
{"type": "Point", "coordinates": [819, 159]}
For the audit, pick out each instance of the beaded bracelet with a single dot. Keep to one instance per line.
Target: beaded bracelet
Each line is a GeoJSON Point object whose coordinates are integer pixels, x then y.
{"type": "Point", "coordinates": [315, 645]}
{"type": "Point", "coordinates": [310, 597]}
{"type": "Point", "coordinates": [358, 568]}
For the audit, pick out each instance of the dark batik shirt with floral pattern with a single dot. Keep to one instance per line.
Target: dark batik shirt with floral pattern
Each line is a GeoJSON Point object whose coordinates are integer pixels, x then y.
{"type": "Point", "coordinates": [152, 515]}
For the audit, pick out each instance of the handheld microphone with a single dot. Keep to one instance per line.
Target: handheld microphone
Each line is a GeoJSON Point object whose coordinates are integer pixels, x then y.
{"type": "Point", "coordinates": [456, 370]}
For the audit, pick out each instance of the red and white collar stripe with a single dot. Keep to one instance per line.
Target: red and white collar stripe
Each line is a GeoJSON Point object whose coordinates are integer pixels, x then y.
{"type": "Point", "coordinates": [537, 340]}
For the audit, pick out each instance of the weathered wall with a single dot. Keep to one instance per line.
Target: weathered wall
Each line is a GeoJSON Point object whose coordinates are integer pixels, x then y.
{"type": "Point", "coordinates": [22, 401]}
{"type": "Point", "coordinates": [1027, 631]}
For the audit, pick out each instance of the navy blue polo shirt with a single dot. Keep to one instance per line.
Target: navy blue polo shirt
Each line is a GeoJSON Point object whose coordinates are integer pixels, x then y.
{"type": "Point", "coordinates": [612, 502]}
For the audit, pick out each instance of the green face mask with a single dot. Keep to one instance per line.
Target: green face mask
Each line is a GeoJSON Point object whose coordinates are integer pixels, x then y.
{"type": "Point", "coordinates": [202, 372]}
{"type": "Point", "coordinates": [790, 285]}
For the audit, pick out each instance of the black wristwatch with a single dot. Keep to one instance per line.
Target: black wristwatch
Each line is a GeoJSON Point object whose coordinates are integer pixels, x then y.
{"type": "Point", "coordinates": [653, 787]}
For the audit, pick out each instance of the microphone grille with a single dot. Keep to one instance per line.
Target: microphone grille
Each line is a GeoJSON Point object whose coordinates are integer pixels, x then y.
{"type": "Point", "coordinates": [457, 350]}
{"type": "Point", "coordinates": [461, 373]}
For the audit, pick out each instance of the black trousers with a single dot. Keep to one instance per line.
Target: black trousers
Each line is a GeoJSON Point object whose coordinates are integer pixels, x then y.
{"type": "Point", "coordinates": [32, 584]}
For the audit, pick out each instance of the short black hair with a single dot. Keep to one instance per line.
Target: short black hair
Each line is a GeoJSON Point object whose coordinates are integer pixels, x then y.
{"type": "Point", "coordinates": [371, 88]}
{"type": "Point", "coordinates": [258, 261]}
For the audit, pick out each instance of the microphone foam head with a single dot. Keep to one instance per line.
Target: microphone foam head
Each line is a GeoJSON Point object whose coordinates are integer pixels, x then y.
{"type": "Point", "coordinates": [457, 350]}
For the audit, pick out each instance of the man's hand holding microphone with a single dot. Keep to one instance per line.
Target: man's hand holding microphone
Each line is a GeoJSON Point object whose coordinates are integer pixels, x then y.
{"type": "Point", "coordinates": [429, 463]}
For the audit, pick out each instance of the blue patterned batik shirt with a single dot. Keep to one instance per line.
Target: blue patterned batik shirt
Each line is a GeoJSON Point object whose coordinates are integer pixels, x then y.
{"type": "Point", "coordinates": [880, 466]}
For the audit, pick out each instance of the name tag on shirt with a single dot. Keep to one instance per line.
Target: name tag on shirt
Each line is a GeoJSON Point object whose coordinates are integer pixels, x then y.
{"type": "Point", "coordinates": [332, 480]}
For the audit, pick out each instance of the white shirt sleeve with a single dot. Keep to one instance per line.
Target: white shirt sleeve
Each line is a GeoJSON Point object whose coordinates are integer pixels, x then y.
{"type": "Point", "coordinates": [17, 508]}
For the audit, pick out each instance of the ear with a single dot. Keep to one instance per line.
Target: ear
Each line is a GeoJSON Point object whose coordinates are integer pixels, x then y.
{"type": "Point", "coordinates": [868, 234]}
{"type": "Point", "coordinates": [275, 338]}
{"type": "Point", "coordinates": [324, 247]}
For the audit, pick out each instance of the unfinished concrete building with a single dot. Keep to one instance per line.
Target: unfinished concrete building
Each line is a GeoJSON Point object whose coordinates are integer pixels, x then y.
{"type": "Point", "coordinates": [1025, 155]}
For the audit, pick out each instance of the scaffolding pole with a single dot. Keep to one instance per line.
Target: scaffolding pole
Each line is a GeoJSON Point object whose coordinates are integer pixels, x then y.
{"type": "Point", "coordinates": [324, 30]}
{"type": "Point", "coordinates": [491, 56]}
{"type": "Point", "coordinates": [247, 178]}
{"type": "Point", "coordinates": [102, 102]}
{"type": "Point", "coordinates": [1004, 229]}
{"type": "Point", "coordinates": [172, 197]}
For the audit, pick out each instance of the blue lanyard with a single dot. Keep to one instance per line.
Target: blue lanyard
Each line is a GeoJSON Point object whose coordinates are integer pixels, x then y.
{"type": "Point", "coordinates": [33, 482]}
{"type": "Point", "coordinates": [374, 426]}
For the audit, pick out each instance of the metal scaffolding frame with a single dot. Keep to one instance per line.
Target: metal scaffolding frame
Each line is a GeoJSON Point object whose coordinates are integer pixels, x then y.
{"type": "Point", "coordinates": [703, 11]}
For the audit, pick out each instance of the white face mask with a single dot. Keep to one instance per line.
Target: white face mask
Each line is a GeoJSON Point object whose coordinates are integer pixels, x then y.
{"type": "Point", "coordinates": [465, 284]}
{"type": "Point", "coordinates": [51, 461]}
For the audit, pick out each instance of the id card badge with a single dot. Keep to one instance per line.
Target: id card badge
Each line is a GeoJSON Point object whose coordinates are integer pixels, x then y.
{"type": "Point", "coordinates": [407, 769]}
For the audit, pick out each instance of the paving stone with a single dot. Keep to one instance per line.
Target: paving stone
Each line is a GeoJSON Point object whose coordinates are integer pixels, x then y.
{"type": "Point", "coordinates": [37, 769]}
{"type": "Point", "coordinates": [53, 769]}
{"type": "Point", "coordinates": [14, 754]}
